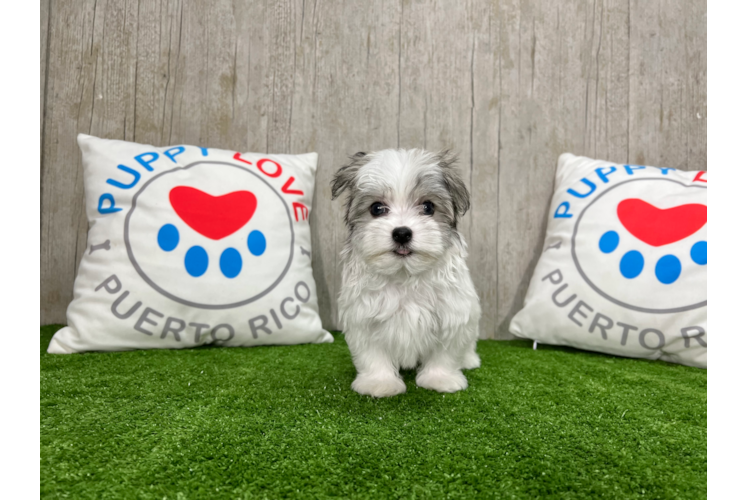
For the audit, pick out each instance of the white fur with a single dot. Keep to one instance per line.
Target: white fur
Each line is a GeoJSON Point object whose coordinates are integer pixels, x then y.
{"type": "Point", "coordinates": [406, 312]}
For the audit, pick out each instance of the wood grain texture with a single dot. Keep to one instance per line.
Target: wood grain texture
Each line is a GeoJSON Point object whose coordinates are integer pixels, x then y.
{"type": "Point", "coordinates": [43, 49]}
{"type": "Point", "coordinates": [508, 85]}
{"type": "Point", "coordinates": [43, 29]}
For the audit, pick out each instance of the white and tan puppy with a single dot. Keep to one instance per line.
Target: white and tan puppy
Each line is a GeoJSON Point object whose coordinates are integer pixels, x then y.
{"type": "Point", "coordinates": [407, 299]}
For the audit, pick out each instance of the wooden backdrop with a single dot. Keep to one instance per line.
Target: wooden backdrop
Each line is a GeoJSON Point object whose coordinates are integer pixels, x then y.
{"type": "Point", "coordinates": [509, 84]}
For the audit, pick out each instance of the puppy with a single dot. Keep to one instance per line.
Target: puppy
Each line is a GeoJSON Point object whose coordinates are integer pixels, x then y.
{"type": "Point", "coordinates": [407, 299]}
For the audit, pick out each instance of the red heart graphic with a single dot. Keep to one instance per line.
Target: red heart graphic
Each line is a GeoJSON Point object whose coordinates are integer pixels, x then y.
{"type": "Point", "coordinates": [214, 217]}
{"type": "Point", "coordinates": [657, 227]}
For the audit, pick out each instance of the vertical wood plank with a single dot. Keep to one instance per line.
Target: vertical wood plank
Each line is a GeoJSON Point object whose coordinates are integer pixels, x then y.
{"type": "Point", "coordinates": [210, 75]}
{"type": "Point", "coordinates": [695, 68]}
{"type": "Point", "coordinates": [485, 89]}
{"type": "Point", "coordinates": [43, 48]}
{"type": "Point", "coordinates": [530, 38]}
{"type": "Point", "coordinates": [158, 52]}
{"type": "Point", "coordinates": [607, 116]}
{"type": "Point", "coordinates": [43, 32]}
{"type": "Point", "coordinates": [282, 41]}
{"type": "Point", "coordinates": [667, 108]}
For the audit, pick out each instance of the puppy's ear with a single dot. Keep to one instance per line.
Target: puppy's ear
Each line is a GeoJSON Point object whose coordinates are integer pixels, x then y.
{"type": "Point", "coordinates": [456, 187]}
{"type": "Point", "coordinates": [345, 178]}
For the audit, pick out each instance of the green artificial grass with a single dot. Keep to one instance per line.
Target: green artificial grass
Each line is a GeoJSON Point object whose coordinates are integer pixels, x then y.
{"type": "Point", "coordinates": [272, 422]}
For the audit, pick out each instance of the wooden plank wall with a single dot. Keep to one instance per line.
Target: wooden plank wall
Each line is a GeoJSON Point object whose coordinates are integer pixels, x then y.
{"type": "Point", "coordinates": [508, 84]}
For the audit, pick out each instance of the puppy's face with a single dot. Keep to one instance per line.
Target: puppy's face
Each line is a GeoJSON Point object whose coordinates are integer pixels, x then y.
{"type": "Point", "coordinates": [402, 208]}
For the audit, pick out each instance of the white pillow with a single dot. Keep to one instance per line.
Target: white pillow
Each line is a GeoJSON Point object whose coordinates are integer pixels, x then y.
{"type": "Point", "coordinates": [190, 246]}
{"type": "Point", "coordinates": [623, 267]}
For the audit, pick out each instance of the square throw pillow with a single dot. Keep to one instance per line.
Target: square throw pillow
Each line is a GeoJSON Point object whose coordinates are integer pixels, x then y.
{"type": "Point", "coordinates": [190, 246]}
{"type": "Point", "coordinates": [623, 268]}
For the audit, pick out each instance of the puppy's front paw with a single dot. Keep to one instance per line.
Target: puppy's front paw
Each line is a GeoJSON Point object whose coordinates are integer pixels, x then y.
{"type": "Point", "coordinates": [378, 386]}
{"type": "Point", "coordinates": [442, 381]}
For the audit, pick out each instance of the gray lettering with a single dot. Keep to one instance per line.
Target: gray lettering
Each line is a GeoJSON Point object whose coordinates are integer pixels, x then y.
{"type": "Point", "coordinates": [170, 329]}
{"type": "Point", "coordinates": [700, 332]}
{"type": "Point", "coordinates": [119, 301]}
{"type": "Point", "coordinates": [578, 309]}
{"type": "Point", "coordinates": [603, 328]}
{"type": "Point", "coordinates": [283, 309]}
{"type": "Point", "coordinates": [558, 277]}
{"type": "Point", "coordinates": [199, 327]}
{"type": "Point", "coordinates": [308, 292]}
{"type": "Point", "coordinates": [626, 330]}
{"type": "Point", "coordinates": [305, 252]}
{"type": "Point", "coordinates": [660, 338]}
{"type": "Point", "coordinates": [263, 327]}
{"type": "Point", "coordinates": [105, 284]}
{"type": "Point", "coordinates": [144, 319]}
{"type": "Point", "coordinates": [214, 332]}
{"type": "Point", "coordinates": [275, 318]}
{"type": "Point", "coordinates": [561, 289]}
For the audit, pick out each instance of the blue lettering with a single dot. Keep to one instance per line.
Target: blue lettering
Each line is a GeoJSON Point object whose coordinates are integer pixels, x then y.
{"type": "Point", "coordinates": [604, 175]}
{"type": "Point", "coordinates": [111, 208]}
{"type": "Point", "coordinates": [172, 152]}
{"type": "Point", "coordinates": [204, 151]}
{"type": "Point", "coordinates": [665, 170]}
{"type": "Point", "coordinates": [630, 168]}
{"type": "Point", "coordinates": [565, 214]}
{"type": "Point", "coordinates": [147, 163]}
{"type": "Point", "coordinates": [585, 195]}
{"type": "Point", "coordinates": [136, 178]}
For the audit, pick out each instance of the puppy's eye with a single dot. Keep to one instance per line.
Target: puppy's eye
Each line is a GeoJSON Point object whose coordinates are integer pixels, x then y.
{"type": "Point", "coordinates": [378, 209]}
{"type": "Point", "coordinates": [428, 208]}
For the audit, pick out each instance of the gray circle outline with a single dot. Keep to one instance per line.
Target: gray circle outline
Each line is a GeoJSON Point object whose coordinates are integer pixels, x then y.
{"type": "Point", "coordinates": [197, 304]}
{"type": "Point", "coordinates": [594, 287]}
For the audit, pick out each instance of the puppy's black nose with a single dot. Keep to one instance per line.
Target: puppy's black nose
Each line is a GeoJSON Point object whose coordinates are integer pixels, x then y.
{"type": "Point", "coordinates": [402, 234]}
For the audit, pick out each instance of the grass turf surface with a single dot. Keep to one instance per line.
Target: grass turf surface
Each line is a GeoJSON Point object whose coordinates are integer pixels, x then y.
{"type": "Point", "coordinates": [270, 422]}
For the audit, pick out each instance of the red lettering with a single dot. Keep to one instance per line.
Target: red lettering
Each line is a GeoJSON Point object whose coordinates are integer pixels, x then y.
{"type": "Point", "coordinates": [700, 177]}
{"type": "Point", "coordinates": [291, 191]}
{"type": "Point", "coordinates": [238, 156]}
{"type": "Point", "coordinates": [298, 208]}
{"type": "Point", "coordinates": [278, 169]}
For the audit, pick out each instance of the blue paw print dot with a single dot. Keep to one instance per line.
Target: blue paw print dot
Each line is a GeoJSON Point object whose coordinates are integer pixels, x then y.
{"type": "Point", "coordinates": [667, 269]}
{"type": "Point", "coordinates": [632, 264]}
{"type": "Point", "coordinates": [698, 253]}
{"type": "Point", "coordinates": [196, 261]}
{"type": "Point", "coordinates": [256, 243]}
{"type": "Point", "coordinates": [231, 263]}
{"type": "Point", "coordinates": [168, 237]}
{"type": "Point", "coordinates": [609, 242]}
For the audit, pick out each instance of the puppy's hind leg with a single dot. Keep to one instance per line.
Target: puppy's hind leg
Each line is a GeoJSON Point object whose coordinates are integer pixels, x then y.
{"type": "Point", "coordinates": [377, 375]}
{"type": "Point", "coordinates": [440, 371]}
{"type": "Point", "coordinates": [470, 359]}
